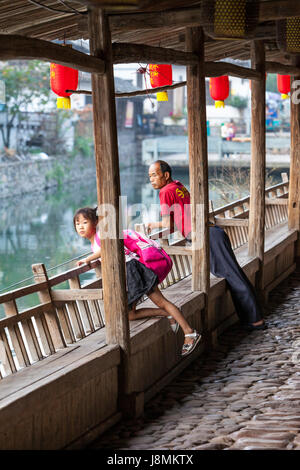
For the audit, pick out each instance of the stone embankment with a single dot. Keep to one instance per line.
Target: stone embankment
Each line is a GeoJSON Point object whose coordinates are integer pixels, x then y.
{"type": "Point", "coordinates": [243, 395]}
{"type": "Point", "coordinates": [24, 177]}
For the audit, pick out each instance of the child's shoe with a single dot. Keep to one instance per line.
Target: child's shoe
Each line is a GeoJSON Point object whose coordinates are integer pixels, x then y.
{"type": "Point", "coordinates": [188, 348]}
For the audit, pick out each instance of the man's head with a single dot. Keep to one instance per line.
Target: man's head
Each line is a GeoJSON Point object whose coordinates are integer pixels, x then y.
{"type": "Point", "coordinates": [160, 174]}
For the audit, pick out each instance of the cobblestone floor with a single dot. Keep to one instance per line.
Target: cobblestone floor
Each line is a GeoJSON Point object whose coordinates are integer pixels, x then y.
{"type": "Point", "coordinates": [243, 395]}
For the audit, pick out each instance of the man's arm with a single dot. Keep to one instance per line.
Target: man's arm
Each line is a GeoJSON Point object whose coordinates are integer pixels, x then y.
{"type": "Point", "coordinates": [164, 223]}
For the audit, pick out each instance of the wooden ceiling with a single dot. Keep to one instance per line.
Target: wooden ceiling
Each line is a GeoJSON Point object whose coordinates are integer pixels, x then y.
{"type": "Point", "coordinates": [157, 23]}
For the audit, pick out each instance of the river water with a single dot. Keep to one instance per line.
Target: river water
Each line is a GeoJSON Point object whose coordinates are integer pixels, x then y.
{"type": "Point", "coordinates": [38, 227]}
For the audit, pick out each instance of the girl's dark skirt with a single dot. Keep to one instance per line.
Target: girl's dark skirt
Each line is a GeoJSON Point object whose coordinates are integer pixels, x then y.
{"type": "Point", "coordinates": [140, 281]}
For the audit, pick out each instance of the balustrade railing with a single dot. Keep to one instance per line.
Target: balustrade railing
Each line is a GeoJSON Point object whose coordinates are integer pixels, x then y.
{"type": "Point", "coordinates": [63, 317]}
{"type": "Point", "coordinates": [67, 315]}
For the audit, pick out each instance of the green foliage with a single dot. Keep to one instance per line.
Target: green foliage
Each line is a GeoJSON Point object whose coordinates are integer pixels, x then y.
{"type": "Point", "coordinates": [83, 146]}
{"type": "Point", "coordinates": [57, 173]}
{"type": "Point", "coordinates": [237, 101]}
{"type": "Point", "coordinates": [24, 82]}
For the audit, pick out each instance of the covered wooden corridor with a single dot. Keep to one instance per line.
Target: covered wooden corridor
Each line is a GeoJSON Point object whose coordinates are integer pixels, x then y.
{"type": "Point", "coordinates": [73, 365]}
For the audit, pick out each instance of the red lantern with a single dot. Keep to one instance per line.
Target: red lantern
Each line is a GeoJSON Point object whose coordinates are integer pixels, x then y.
{"type": "Point", "coordinates": [63, 78]}
{"type": "Point", "coordinates": [219, 90]}
{"type": "Point", "coordinates": [284, 85]}
{"type": "Point", "coordinates": [160, 75]}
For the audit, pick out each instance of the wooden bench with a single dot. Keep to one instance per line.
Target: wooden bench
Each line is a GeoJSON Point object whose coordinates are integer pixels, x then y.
{"type": "Point", "coordinates": [69, 394]}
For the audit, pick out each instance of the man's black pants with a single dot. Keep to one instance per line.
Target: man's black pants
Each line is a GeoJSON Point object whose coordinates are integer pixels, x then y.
{"type": "Point", "coordinates": [223, 263]}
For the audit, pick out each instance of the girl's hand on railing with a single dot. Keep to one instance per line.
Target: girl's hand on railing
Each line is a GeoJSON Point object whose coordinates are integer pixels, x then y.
{"type": "Point", "coordinates": [81, 262]}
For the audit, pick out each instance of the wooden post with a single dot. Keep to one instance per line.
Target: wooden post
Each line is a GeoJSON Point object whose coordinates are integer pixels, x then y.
{"type": "Point", "coordinates": [108, 186]}
{"type": "Point", "coordinates": [294, 187]}
{"type": "Point", "coordinates": [258, 161]}
{"type": "Point", "coordinates": [198, 171]}
{"type": "Point", "coordinates": [198, 165]}
{"type": "Point", "coordinates": [52, 328]}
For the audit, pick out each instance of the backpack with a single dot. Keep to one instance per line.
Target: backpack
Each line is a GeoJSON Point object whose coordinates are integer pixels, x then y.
{"type": "Point", "coordinates": [150, 253]}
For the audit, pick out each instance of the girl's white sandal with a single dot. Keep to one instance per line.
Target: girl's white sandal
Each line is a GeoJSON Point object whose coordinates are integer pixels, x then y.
{"type": "Point", "coordinates": [188, 348]}
{"type": "Point", "coordinates": [174, 326]}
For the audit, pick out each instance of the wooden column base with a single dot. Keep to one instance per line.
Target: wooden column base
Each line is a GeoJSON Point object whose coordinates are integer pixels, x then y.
{"type": "Point", "coordinates": [132, 405]}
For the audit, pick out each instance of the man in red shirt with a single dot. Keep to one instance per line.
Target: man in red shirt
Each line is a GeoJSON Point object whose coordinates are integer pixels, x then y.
{"type": "Point", "coordinates": [175, 210]}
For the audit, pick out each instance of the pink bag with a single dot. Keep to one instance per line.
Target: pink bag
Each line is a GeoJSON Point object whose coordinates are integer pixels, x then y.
{"type": "Point", "coordinates": [149, 252]}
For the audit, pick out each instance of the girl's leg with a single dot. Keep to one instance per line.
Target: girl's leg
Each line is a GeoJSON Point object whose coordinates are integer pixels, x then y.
{"type": "Point", "coordinates": [170, 309]}
{"type": "Point", "coordinates": [146, 312]}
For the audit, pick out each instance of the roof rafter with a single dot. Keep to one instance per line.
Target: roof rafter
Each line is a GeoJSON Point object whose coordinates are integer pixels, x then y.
{"type": "Point", "coordinates": [20, 47]}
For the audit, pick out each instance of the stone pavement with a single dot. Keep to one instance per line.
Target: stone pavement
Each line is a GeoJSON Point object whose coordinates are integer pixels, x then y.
{"type": "Point", "coordinates": [243, 395]}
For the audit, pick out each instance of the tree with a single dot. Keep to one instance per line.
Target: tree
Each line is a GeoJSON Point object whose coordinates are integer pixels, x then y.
{"type": "Point", "coordinates": [237, 101]}
{"type": "Point", "coordinates": [26, 82]}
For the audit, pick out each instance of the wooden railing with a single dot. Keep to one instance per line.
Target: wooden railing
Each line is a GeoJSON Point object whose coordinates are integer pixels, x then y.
{"type": "Point", "coordinates": [234, 216]}
{"type": "Point", "coordinates": [63, 317]}
{"type": "Point", "coordinates": [67, 315]}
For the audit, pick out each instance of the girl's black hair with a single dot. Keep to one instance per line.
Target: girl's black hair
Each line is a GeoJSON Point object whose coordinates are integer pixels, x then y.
{"type": "Point", "coordinates": [87, 212]}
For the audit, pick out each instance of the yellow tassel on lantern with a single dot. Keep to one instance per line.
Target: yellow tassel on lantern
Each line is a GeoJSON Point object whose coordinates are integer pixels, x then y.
{"type": "Point", "coordinates": [162, 96]}
{"type": "Point", "coordinates": [219, 104]}
{"type": "Point", "coordinates": [284, 96]}
{"type": "Point", "coordinates": [63, 102]}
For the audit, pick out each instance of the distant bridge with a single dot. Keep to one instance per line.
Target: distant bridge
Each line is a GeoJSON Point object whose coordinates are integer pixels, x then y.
{"type": "Point", "coordinates": [235, 152]}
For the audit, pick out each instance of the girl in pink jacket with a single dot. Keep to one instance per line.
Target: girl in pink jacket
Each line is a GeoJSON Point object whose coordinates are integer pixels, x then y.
{"type": "Point", "coordinates": [146, 266]}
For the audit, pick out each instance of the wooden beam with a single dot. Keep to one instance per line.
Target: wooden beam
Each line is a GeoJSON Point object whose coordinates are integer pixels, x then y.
{"type": "Point", "coordinates": [108, 186]}
{"type": "Point", "coordinates": [183, 17]}
{"type": "Point", "coordinates": [278, 10]}
{"type": "Point", "coordinates": [68, 295]}
{"type": "Point", "coordinates": [198, 161]}
{"type": "Point", "coordinates": [115, 5]}
{"type": "Point", "coordinates": [215, 69]}
{"type": "Point", "coordinates": [178, 250]}
{"type": "Point", "coordinates": [14, 47]}
{"type": "Point", "coordinates": [126, 53]}
{"type": "Point", "coordinates": [22, 292]}
{"type": "Point", "coordinates": [258, 159]}
{"type": "Point", "coordinates": [231, 222]}
{"type": "Point", "coordinates": [284, 69]}
{"type": "Point", "coordinates": [276, 201]}
{"type": "Point", "coordinates": [294, 186]}
{"type": "Point", "coordinates": [194, 16]}
{"type": "Point", "coordinates": [35, 311]}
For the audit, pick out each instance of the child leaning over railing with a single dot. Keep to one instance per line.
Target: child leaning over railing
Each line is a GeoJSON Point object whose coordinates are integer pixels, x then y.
{"type": "Point", "coordinates": [147, 265]}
